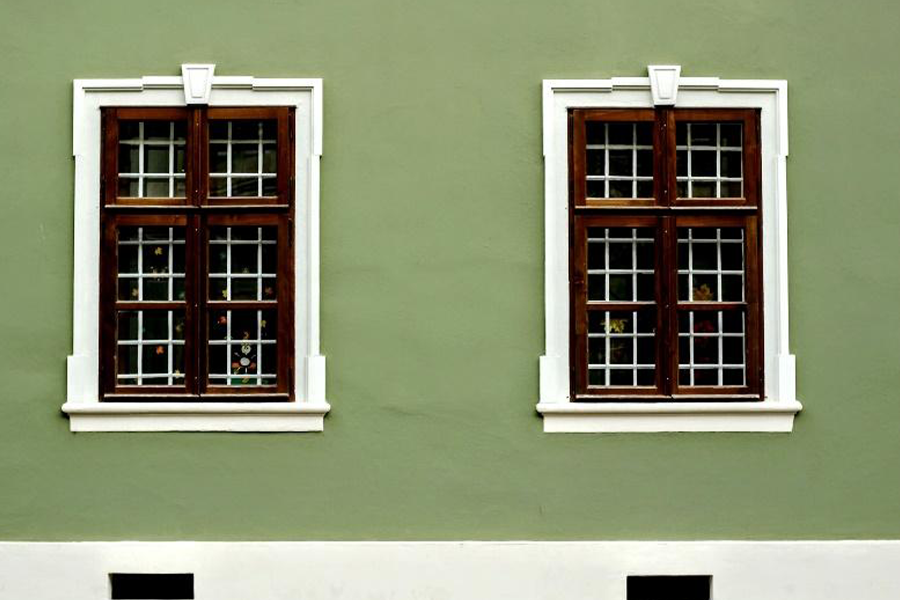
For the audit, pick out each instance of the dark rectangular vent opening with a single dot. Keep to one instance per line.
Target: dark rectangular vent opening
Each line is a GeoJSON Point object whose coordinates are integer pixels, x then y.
{"type": "Point", "coordinates": [152, 586]}
{"type": "Point", "coordinates": [669, 587]}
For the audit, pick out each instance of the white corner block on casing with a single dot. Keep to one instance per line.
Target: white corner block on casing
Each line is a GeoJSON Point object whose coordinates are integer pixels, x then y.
{"type": "Point", "coordinates": [664, 83]}
{"type": "Point", "coordinates": [197, 80]}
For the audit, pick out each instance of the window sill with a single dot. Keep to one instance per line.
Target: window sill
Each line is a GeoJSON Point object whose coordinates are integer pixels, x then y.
{"type": "Point", "coordinates": [622, 417]}
{"type": "Point", "coordinates": [206, 416]}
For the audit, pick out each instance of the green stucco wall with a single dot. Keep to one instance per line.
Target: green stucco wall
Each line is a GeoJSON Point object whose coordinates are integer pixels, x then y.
{"type": "Point", "coordinates": [432, 288]}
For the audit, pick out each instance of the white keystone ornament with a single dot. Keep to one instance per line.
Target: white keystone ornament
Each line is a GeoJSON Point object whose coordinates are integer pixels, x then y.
{"type": "Point", "coordinates": [664, 83]}
{"type": "Point", "coordinates": [197, 80]}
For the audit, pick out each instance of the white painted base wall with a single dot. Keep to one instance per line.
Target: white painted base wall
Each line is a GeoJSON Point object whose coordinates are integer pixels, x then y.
{"type": "Point", "coordinates": [845, 570]}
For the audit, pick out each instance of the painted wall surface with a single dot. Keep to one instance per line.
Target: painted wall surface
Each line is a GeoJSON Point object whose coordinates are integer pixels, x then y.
{"type": "Point", "coordinates": [432, 209]}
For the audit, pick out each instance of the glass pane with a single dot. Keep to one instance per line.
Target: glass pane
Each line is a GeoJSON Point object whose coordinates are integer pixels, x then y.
{"type": "Point", "coordinates": [244, 186]}
{"type": "Point", "coordinates": [644, 162]}
{"type": "Point", "coordinates": [156, 131]}
{"type": "Point", "coordinates": [218, 158]}
{"type": "Point", "coordinates": [243, 263]}
{"type": "Point", "coordinates": [731, 134]}
{"type": "Point", "coordinates": [620, 133]}
{"type": "Point", "coordinates": [151, 159]}
{"type": "Point", "coordinates": [702, 134]}
{"type": "Point", "coordinates": [150, 347]}
{"type": "Point", "coordinates": [245, 159]}
{"type": "Point", "coordinates": [620, 264]}
{"type": "Point", "coordinates": [645, 189]}
{"type": "Point", "coordinates": [245, 130]}
{"type": "Point", "coordinates": [150, 262]}
{"type": "Point", "coordinates": [218, 186]}
{"type": "Point", "coordinates": [156, 159]}
{"type": "Point", "coordinates": [129, 159]}
{"type": "Point", "coordinates": [621, 189]}
{"type": "Point", "coordinates": [595, 162]}
{"type": "Point", "coordinates": [128, 187]}
{"type": "Point", "coordinates": [709, 160]}
{"type": "Point", "coordinates": [621, 348]}
{"type": "Point", "coordinates": [619, 160]}
{"type": "Point", "coordinates": [711, 264]}
{"type": "Point", "coordinates": [711, 349]}
{"type": "Point", "coordinates": [731, 164]}
{"type": "Point", "coordinates": [241, 153]}
{"type": "Point", "coordinates": [703, 163]}
{"type": "Point", "coordinates": [243, 347]}
{"type": "Point", "coordinates": [270, 158]}
{"type": "Point", "coordinates": [269, 186]}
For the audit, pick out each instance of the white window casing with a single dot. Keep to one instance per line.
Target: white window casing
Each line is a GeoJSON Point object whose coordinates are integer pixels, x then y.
{"type": "Point", "coordinates": [775, 413]}
{"type": "Point", "coordinates": [83, 406]}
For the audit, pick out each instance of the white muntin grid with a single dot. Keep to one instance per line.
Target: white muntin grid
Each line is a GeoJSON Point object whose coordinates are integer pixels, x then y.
{"type": "Point", "coordinates": [172, 177]}
{"type": "Point", "coordinates": [234, 346]}
{"type": "Point", "coordinates": [691, 368]}
{"type": "Point", "coordinates": [689, 148]}
{"type": "Point", "coordinates": [609, 335]}
{"type": "Point", "coordinates": [694, 275]}
{"type": "Point", "coordinates": [633, 147]}
{"type": "Point", "coordinates": [172, 375]}
{"type": "Point", "coordinates": [615, 324]}
{"type": "Point", "coordinates": [260, 174]}
{"type": "Point", "coordinates": [171, 243]}
{"type": "Point", "coordinates": [718, 335]}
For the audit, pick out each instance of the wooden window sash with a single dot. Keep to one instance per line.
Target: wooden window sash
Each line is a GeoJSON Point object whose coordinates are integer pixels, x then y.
{"type": "Point", "coordinates": [196, 214]}
{"type": "Point", "coordinates": [667, 213]}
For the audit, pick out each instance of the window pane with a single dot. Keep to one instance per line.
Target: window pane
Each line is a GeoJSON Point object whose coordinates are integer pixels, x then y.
{"type": "Point", "coordinates": [241, 153]}
{"type": "Point", "coordinates": [709, 160]}
{"type": "Point", "coordinates": [150, 347]}
{"type": "Point", "coordinates": [620, 264]}
{"type": "Point", "coordinates": [621, 348]}
{"type": "Point", "coordinates": [712, 348]}
{"type": "Point", "coordinates": [243, 263]}
{"type": "Point", "coordinates": [150, 263]}
{"type": "Point", "coordinates": [243, 347]}
{"type": "Point", "coordinates": [619, 160]}
{"type": "Point", "coordinates": [151, 159]}
{"type": "Point", "coordinates": [711, 264]}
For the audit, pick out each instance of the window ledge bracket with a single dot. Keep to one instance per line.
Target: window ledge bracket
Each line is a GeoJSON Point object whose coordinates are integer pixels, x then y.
{"type": "Point", "coordinates": [624, 417]}
{"type": "Point", "coordinates": [191, 416]}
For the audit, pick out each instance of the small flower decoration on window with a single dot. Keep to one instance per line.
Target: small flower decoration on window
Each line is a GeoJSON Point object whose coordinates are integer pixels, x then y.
{"type": "Point", "coordinates": [243, 362]}
{"type": "Point", "coordinates": [618, 325]}
{"type": "Point", "coordinates": [703, 294]}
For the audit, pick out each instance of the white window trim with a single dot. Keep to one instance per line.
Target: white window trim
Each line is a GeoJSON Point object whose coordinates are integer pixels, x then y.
{"type": "Point", "coordinates": [86, 412]}
{"type": "Point", "coordinates": [776, 412]}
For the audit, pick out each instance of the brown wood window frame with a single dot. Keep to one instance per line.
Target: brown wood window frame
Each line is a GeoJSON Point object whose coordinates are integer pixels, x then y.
{"type": "Point", "coordinates": [664, 213]}
{"type": "Point", "coordinates": [197, 212]}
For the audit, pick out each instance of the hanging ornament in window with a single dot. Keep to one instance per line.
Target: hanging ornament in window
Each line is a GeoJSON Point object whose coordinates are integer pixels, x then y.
{"type": "Point", "coordinates": [243, 362]}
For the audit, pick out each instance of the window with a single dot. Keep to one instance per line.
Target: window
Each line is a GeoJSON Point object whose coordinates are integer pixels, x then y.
{"type": "Point", "coordinates": [666, 304]}
{"type": "Point", "coordinates": [196, 299]}
{"type": "Point", "coordinates": [196, 258]}
{"type": "Point", "coordinates": [664, 263]}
